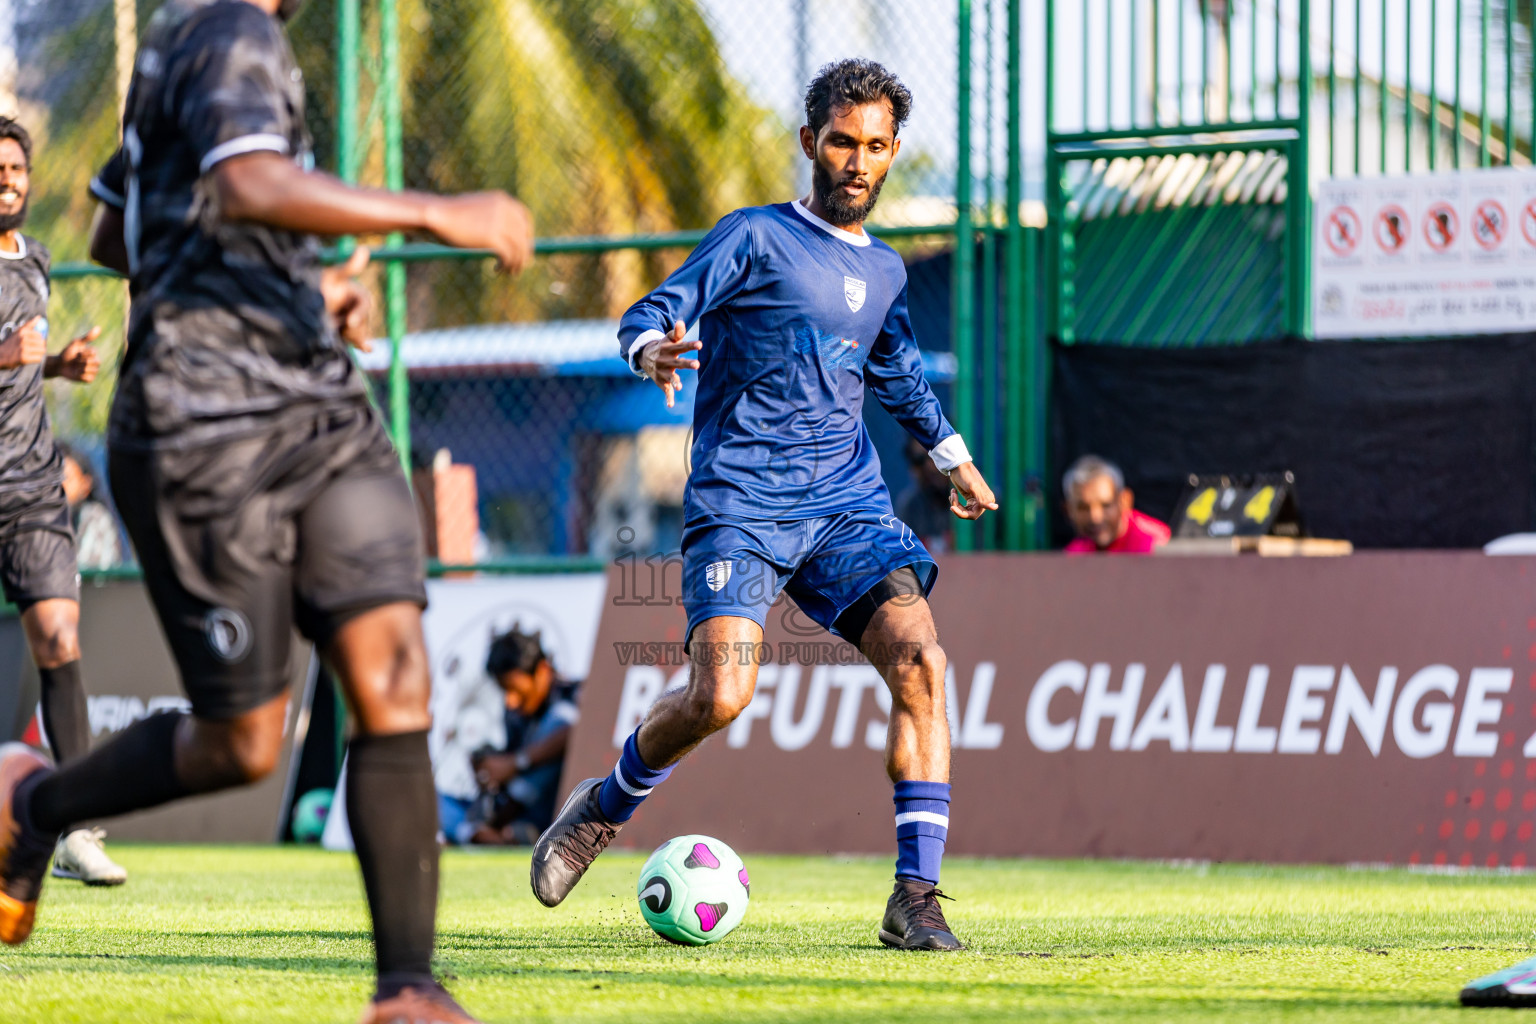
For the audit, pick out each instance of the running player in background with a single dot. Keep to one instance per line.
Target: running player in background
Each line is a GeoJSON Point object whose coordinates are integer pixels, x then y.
{"type": "Point", "coordinates": [256, 481]}
{"type": "Point", "coordinates": [799, 310]}
{"type": "Point", "coordinates": [38, 568]}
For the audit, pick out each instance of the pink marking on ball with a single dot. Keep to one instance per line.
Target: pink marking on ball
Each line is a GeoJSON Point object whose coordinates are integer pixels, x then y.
{"type": "Point", "coordinates": [710, 914]}
{"type": "Point", "coordinates": [702, 856]}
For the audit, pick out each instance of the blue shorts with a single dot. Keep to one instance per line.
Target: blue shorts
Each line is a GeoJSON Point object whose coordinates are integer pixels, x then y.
{"type": "Point", "coordinates": [737, 566]}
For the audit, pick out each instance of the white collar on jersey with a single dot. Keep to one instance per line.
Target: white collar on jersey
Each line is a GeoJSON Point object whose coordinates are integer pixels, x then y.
{"type": "Point", "coordinates": [852, 238]}
{"type": "Point", "coordinates": [20, 253]}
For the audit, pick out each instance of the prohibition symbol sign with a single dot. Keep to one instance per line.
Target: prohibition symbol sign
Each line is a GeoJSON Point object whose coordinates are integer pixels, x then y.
{"type": "Point", "coordinates": [1528, 222]}
{"type": "Point", "coordinates": [1440, 226]}
{"type": "Point", "coordinates": [1342, 230]}
{"type": "Point", "coordinates": [1392, 229]}
{"type": "Point", "coordinates": [1489, 224]}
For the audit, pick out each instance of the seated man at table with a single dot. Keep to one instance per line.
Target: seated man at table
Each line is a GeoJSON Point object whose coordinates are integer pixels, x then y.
{"type": "Point", "coordinates": [1100, 507]}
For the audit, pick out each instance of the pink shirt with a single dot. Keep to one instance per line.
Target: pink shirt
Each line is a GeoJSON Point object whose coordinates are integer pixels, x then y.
{"type": "Point", "coordinates": [1141, 535]}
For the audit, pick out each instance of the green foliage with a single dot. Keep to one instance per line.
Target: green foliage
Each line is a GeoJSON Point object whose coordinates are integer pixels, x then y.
{"type": "Point", "coordinates": [604, 116]}
{"type": "Point", "coordinates": [281, 935]}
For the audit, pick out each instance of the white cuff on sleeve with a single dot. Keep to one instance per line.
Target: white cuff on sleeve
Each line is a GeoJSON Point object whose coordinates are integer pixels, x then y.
{"type": "Point", "coordinates": [106, 195]}
{"type": "Point", "coordinates": [949, 453]}
{"type": "Point", "coordinates": [261, 142]}
{"type": "Point", "coordinates": [646, 337]}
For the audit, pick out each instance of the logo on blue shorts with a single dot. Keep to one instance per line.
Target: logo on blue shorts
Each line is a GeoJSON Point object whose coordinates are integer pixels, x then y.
{"type": "Point", "coordinates": [717, 574]}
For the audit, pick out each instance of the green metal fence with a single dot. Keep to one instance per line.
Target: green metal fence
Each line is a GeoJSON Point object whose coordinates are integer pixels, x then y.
{"type": "Point", "coordinates": [1194, 163]}
{"type": "Point", "coordinates": [1183, 137]}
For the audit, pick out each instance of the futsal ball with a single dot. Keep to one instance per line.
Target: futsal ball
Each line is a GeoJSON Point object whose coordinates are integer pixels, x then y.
{"type": "Point", "coordinates": [309, 815]}
{"type": "Point", "coordinates": [694, 890]}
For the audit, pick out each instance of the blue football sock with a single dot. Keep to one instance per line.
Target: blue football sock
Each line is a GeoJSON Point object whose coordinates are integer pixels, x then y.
{"type": "Point", "coordinates": [630, 783]}
{"type": "Point", "coordinates": [922, 826]}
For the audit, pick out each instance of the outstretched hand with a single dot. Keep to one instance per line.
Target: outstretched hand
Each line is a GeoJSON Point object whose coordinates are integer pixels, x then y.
{"type": "Point", "coordinates": [485, 220]}
{"type": "Point", "coordinates": [347, 301]}
{"type": "Point", "coordinates": [77, 361]}
{"type": "Point", "coordinates": [662, 358]}
{"type": "Point", "coordinates": [969, 497]}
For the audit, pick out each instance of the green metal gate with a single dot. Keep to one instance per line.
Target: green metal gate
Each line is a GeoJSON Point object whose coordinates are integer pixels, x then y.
{"type": "Point", "coordinates": [1172, 206]}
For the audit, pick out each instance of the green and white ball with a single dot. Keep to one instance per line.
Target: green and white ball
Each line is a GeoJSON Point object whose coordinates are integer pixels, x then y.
{"type": "Point", "coordinates": [309, 815]}
{"type": "Point", "coordinates": [694, 890]}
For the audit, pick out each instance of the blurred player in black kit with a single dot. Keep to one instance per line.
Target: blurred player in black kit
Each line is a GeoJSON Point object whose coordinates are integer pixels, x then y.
{"type": "Point", "coordinates": [37, 540]}
{"type": "Point", "coordinates": [257, 483]}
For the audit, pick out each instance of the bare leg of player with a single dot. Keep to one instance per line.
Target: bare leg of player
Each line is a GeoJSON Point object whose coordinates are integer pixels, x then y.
{"type": "Point", "coordinates": [719, 687]}
{"type": "Point", "coordinates": [902, 643]}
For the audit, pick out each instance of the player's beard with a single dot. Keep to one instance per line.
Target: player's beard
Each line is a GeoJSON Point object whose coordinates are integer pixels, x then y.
{"type": "Point", "coordinates": [288, 8]}
{"type": "Point", "coordinates": [14, 221]}
{"type": "Point", "coordinates": [841, 210]}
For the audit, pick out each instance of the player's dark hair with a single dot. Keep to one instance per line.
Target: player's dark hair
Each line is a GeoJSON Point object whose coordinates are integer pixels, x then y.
{"type": "Point", "coordinates": [514, 651]}
{"type": "Point", "coordinates": [854, 82]}
{"type": "Point", "coordinates": [12, 129]}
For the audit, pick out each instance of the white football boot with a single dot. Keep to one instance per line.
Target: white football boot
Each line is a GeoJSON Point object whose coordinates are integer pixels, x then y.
{"type": "Point", "coordinates": [81, 855]}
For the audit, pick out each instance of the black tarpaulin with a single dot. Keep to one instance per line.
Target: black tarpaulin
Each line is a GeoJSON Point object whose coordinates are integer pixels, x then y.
{"type": "Point", "coordinates": [1422, 444]}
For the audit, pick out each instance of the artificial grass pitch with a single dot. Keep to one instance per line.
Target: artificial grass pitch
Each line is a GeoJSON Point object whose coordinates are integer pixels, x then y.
{"type": "Point", "coordinates": [280, 934]}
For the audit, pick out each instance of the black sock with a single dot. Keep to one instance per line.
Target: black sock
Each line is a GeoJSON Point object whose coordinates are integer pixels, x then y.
{"type": "Point", "coordinates": [134, 771]}
{"type": "Point", "coordinates": [65, 718]}
{"type": "Point", "coordinates": [392, 809]}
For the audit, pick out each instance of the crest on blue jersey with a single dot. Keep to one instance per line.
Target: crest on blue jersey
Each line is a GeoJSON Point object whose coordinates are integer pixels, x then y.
{"type": "Point", "coordinates": [717, 574]}
{"type": "Point", "coordinates": [853, 291]}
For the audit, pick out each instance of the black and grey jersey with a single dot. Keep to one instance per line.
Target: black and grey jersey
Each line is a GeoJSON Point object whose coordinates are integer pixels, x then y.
{"type": "Point", "coordinates": [29, 460]}
{"type": "Point", "coordinates": [228, 327]}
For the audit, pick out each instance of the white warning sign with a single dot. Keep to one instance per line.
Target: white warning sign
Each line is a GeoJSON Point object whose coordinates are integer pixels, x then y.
{"type": "Point", "coordinates": [1425, 255]}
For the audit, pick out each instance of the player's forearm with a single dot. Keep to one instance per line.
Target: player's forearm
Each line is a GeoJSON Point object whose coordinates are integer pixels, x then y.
{"type": "Point", "coordinates": [53, 366]}
{"type": "Point", "coordinates": [270, 189]}
{"type": "Point", "coordinates": [912, 403]}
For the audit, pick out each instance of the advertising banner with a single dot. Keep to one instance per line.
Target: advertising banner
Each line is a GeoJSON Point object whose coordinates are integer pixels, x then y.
{"type": "Point", "coordinates": [1376, 708]}
{"type": "Point", "coordinates": [1425, 255]}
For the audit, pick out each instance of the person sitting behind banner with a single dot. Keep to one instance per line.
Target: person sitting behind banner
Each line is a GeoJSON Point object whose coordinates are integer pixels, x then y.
{"type": "Point", "coordinates": [1102, 511]}
{"type": "Point", "coordinates": [519, 784]}
{"type": "Point", "coordinates": [97, 545]}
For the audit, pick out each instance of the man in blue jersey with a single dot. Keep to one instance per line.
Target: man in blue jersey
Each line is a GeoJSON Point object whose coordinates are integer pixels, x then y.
{"type": "Point", "coordinates": [799, 311]}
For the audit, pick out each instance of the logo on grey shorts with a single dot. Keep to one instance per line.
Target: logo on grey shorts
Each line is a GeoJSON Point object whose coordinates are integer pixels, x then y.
{"type": "Point", "coordinates": [228, 634]}
{"type": "Point", "coordinates": [853, 291]}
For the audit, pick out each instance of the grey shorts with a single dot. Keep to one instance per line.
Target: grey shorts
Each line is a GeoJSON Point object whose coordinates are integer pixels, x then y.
{"type": "Point", "coordinates": [305, 525]}
{"type": "Point", "coordinates": [37, 549]}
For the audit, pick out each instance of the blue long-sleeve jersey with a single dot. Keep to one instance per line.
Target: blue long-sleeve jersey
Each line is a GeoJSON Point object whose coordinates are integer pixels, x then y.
{"type": "Point", "coordinates": [796, 317]}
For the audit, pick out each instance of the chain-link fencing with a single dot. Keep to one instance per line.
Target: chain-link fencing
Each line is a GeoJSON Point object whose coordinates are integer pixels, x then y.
{"type": "Point", "coordinates": [628, 127]}
{"type": "Point", "coordinates": [631, 126]}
